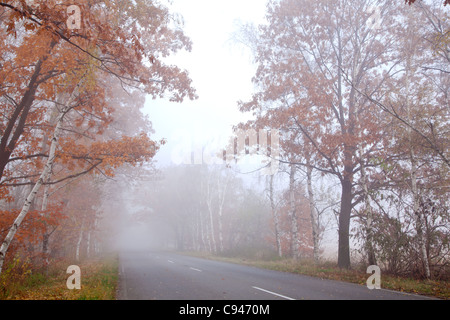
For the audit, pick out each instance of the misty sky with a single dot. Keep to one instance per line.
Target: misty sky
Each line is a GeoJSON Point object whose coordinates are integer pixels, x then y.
{"type": "Point", "coordinates": [221, 72]}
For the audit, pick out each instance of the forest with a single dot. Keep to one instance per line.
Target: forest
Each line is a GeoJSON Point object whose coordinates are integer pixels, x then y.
{"type": "Point", "coordinates": [352, 97]}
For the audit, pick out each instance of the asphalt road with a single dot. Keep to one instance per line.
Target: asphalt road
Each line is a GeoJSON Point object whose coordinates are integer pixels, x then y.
{"type": "Point", "coordinates": [168, 276]}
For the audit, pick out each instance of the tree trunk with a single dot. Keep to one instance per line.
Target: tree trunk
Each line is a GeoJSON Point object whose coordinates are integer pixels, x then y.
{"type": "Point", "coordinates": [80, 239]}
{"type": "Point", "coordinates": [16, 123]}
{"type": "Point", "coordinates": [368, 214]}
{"type": "Point", "coordinates": [95, 242]}
{"type": "Point", "coordinates": [46, 237]}
{"type": "Point", "coordinates": [344, 223]}
{"type": "Point", "coordinates": [44, 177]}
{"type": "Point", "coordinates": [203, 233]}
{"type": "Point", "coordinates": [276, 218]}
{"type": "Point", "coordinates": [88, 245]}
{"type": "Point", "coordinates": [211, 226]}
{"type": "Point", "coordinates": [293, 215]}
{"type": "Point", "coordinates": [221, 199]}
{"type": "Point", "coordinates": [45, 251]}
{"type": "Point", "coordinates": [371, 257]}
{"type": "Point", "coordinates": [420, 219]}
{"type": "Point", "coordinates": [211, 218]}
{"type": "Point", "coordinates": [314, 215]}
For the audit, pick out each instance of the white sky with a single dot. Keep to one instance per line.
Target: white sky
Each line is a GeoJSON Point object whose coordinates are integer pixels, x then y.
{"type": "Point", "coordinates": [221, 73]}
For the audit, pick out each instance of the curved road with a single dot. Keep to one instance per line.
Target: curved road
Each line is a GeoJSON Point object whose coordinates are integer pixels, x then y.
{"type": "Point", "coordinates": [168, 276]}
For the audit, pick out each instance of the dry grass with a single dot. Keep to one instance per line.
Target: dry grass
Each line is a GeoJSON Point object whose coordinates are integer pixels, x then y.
{"type": "Point", "coordinates": [98, 282]}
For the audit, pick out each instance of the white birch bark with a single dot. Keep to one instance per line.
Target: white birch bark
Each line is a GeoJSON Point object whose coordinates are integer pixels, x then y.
{"type": "Point", "coordinates": [204, 228]}
{"type": "Point", "coordinates": [95, 240]}
{"type": "Point", "coordinates": [367, 212]}
{"type": "Point", "coordinates": [42, 178]}
{"type": "Point", "coordinates": [221, 199]}
{"type": "Point", "coordinates": [420, 219]}
{"type": "Point", "coordinates": [210, 211]}
{"type": "Point", "coordinates": [293, 215]}
{"type": "Point", "coordinates": [203, 233]}
{"type": "Point", "coordinates": [46, 232]}
{"type": "Point", "coordinates": [314, 216]}
{"type": "Point", "coordinates": [46, 238]}
{"type": "Point", "coordinates": [80, 239]}
{"type": "Point", "coordinates": [276, 218]}
{"type": "Point", "coordinates": [208, 236]}
{"type": "Point", "coordinates": [88, 244]}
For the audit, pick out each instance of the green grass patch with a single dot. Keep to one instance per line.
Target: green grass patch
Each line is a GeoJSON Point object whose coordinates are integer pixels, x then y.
{"type": "Point", "coordinates": [99, 280]}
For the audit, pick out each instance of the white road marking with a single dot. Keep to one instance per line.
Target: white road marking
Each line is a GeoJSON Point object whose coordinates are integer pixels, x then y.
{"type": "Point", "coordinates": [170, 261]}
{"type": "Point", "coordinates": [195, 269]}
{"type": "Point", "coordinates": [275, 294]}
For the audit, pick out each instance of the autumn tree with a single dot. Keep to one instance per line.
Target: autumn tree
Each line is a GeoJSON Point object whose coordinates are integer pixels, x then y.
{"type": "Point", "coordinates": [431, 62]}
{"type": "Point", "coordinates": [346, 82]}
{"type": "Point", "coordinates": [117, 38]}
{"type": "Point", "coordinates": [415, 109]}
{"type": "Point", "coordinates": [307, 54]}
{"type": "Point", "coordinates": [64, 75]}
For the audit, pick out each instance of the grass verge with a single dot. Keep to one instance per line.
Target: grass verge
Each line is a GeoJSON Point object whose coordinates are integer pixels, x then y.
{"type": "Point", "coordinates": [99, 278]}
{"type": "Point", "coordinates": [330, 271]}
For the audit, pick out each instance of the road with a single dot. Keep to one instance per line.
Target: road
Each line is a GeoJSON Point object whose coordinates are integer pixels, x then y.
{"type": "Point", "coordinates": [169, 276]}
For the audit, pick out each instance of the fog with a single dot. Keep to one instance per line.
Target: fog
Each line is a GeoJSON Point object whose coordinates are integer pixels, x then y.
{"type": "Point", "coordinates": [291, 130]}
{"type": "Point", "coordinates": [215, 209]}
{"type": "Point", "coordinates": [143, 237]}
{"type": "Point", "coordinates": [204, 126]}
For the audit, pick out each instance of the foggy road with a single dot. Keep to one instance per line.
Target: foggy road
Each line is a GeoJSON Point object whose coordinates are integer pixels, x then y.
{"type": "Point", "coordinates": [168, 276]}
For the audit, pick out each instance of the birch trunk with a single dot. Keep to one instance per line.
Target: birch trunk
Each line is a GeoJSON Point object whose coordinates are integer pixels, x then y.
{"type": "Point", "coordinates": [293, 215]}
{"type": "Point", "coordinates": [420, 219]}
{"type": "Point", "coordinates": [88, 244]}
{"type": "Point", "coordinates": [211, 227]}
{"type": "Point", "coordinates": [220, 231]}
{"type": "Point", "coordinates": [46, 238]}
{"type": "Point", "coordinates": [276, 218]}
{"type": "Point", "coordinates": [203, 233]}
{"type": "Point", "coordinates": [368, 214]}
{"type": "Point", "coordinates": [314, 215]}
{"type": "Point", "coordinates": [220, 213]}
{"type": "Point", "coordinates": [204, 226]}
{"type": "Point", "coordinates": [80, 238]}
{"type": "Point", "coordinates": [211, 218]}
{"type": "Point", "coordinates": [95, 240]}
{"type": "Point", "coordinates": [208, 237]}
{"type": "Point", "coordinates": [196, 233]}
{"type": "Point", "coordinates": [42, 178]}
